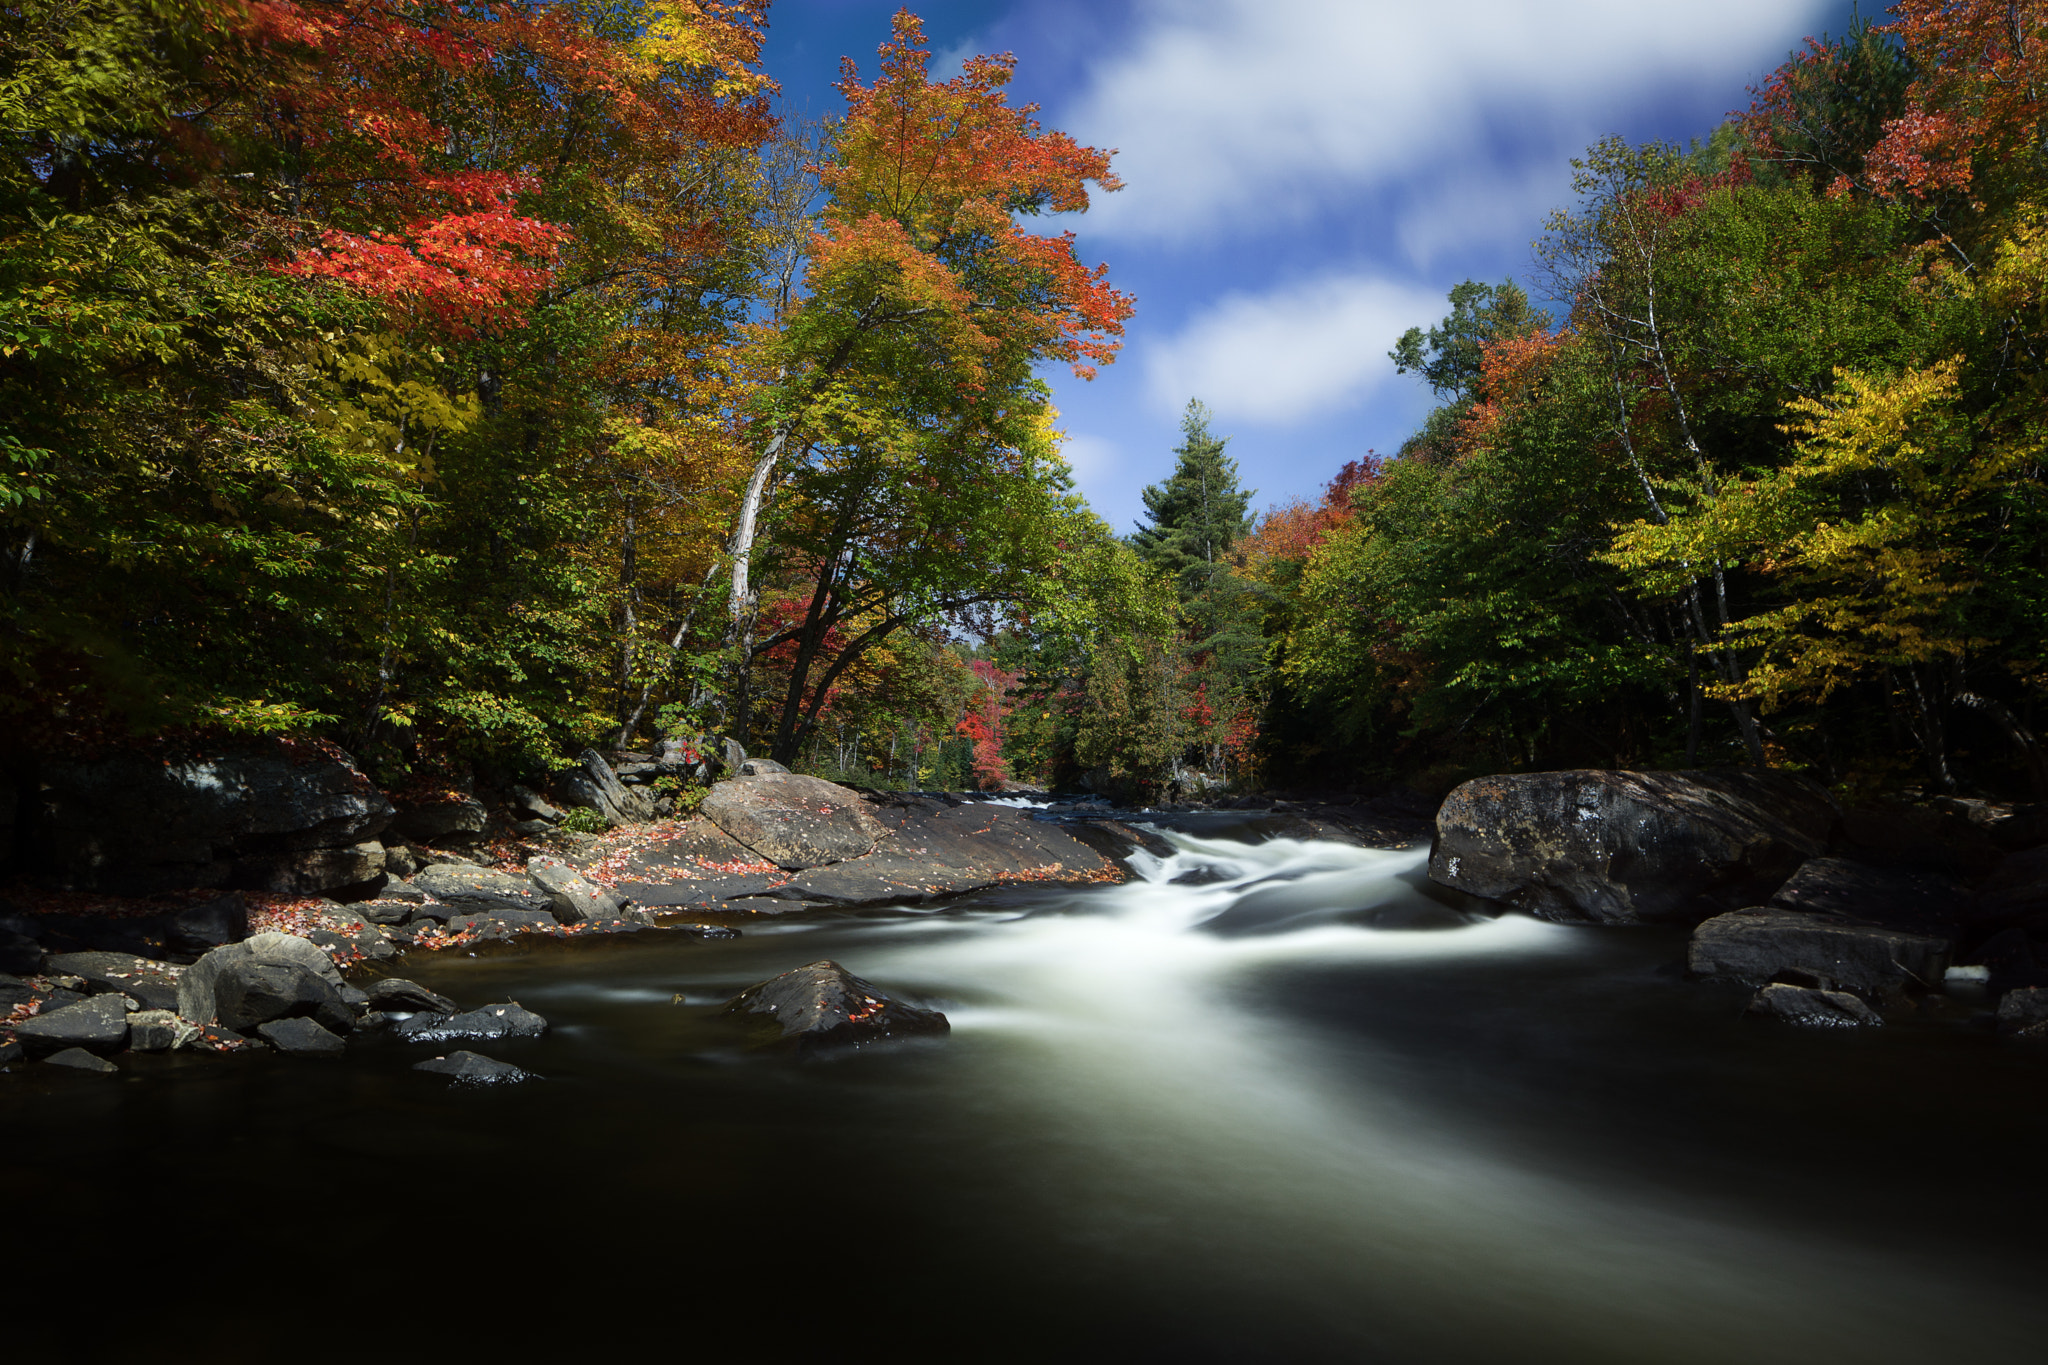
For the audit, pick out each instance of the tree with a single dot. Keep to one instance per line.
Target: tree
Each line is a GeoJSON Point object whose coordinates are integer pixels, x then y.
{"type": "Point", "coordinates": [1448, 356]}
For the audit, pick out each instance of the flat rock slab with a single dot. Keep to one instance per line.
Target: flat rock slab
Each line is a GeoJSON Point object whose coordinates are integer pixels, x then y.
{"type": "Point", "coordinates": [473, 1068]}
{"type": "Point", "coordinates": [823, 1005]}
{"type": "Point", "coordinates": [466, 887]}
{"type": "Point", "coordinates": [1811, 1008]}
{"type": "Point", "coordinates": [1616, 847]}
{"type": "Point", "coordinates": [155, 984]}
{"type": "Point", "coordinates": [930, 848]}
{"type": "Point", "coordinates": [793, 821]}
{"type": "Point", "coordinates": [395, 993]}
{"type": "Point", "coordinates": [1755, 946]}
{"type": "Point", "coordinates": [99, 1025]}
{"type": "Point", "coordinates": [78, 1059]}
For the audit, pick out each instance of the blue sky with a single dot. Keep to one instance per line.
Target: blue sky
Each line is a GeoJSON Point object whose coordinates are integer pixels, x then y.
{"type": "Point", "coordinates": [1306, 179]}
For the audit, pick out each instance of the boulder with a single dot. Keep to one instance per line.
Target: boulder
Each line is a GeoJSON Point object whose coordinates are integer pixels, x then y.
{"type": "Point", "coordinates": [596, 787]}
{"type": "Point", "coordinates": [2022, 1009]}
{"type": "Point", "coordinates": [1628, 847]}
{"type": "Point", "coordinates": [793, 821]}
{"type": "Point", "coordinates": [78, 1059]}
{"type": "Point", "coordinates": [10, 1053]}
{"type": "Point", "coordinates": [136, 824]}
{"type": "Point", "coordinates": [1811, 1008]}
{"type": "Point", "coordinates": [160, 1031]}
{"type": "Point", "coordinates": [761, 767]}
{"type": "Point", "coordinates": [573, 896]}
{"type": "Point", "coordinates": [99, 1024]}
{"type": "Point", "coordinates": [19, 952]}
{"type": "Point", "coordinates": [309, 872]}
{"type": "Point", "coordinates": [393, 993]}
{"type": "Point", "coordinates": [14, 991]}
{"type": "Point", "coordinates": [507, 1020]}
{"type": "Point", "coordinates": [823, 1005]}
{"type": "Point", "coordinates": [270, 976]}
{"type": "Point", "coordinates": [154, 984]}
{"type": "Point", "coordinates": [385, 910]}
{"type": "Point", "coordinates": [467, 887]}
{"type": "Point", "coordinates": [470, 1068]}
{"type": "Point", "coordinates": [300, 1037]}
{"type": "Point", "coordinates": [460, 820]}
{"type": "Point", "coordinates": [1762, 944]}
{"type": "Point", "coordinates": [1898, 897]}
{"type": "Point", "coordinates": [531, 804]}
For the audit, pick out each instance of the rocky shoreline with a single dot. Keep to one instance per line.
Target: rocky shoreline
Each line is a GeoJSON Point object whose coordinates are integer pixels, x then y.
{"type": "Point", "coordinates": [1826, 917]}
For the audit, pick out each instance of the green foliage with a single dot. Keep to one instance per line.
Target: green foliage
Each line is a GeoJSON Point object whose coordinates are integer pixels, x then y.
{"type": "Point", "coordinates": [1448, 355]}
{"type": "Point", "coordinates": [584, 820]}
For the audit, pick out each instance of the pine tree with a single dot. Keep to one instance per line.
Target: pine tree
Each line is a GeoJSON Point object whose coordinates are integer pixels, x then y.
{"type": "Point", "coordinates": [1198, 513]}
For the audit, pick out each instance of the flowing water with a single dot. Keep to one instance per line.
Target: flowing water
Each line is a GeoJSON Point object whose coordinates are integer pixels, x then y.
{"type": "Point", "coordinates": [1274, 1101]}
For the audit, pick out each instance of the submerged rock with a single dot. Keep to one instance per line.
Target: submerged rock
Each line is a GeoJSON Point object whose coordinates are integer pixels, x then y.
{"type": "Point", "coordinates": [78, 1059]}
{"type": "Point", "coordinates": [1811, 1008]}
{"type": "Point", "coordinates": [793, 821]}
{"type": "Point", "coordinates": [1628, 847]}
{"type": "Point", "coordinates": [823, 1005]}
{"type": "Point", "coordinates": [473, 1068]}
{"type": "Point", "coordinates": [301, 1037]}
{"type": "Point", "coordinates": [507, 1020]}
{"type": "Point", "coordinates": [1755, 946]}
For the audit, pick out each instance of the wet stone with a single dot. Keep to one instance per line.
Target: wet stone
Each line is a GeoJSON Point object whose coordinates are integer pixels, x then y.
{"type": "Point", "coordinates": [301, 1038]}
{"type": "Point", "coordinates": [471, 1068]}
{"type": "Point", "coordinates": [99, 1024]}
{"type": "Point", "coordinates": [1812, 1008]}
{"type": "Point", "coordinates": [395, 993]}
{"type": "Point", "coordinates": [822, 1005]}
{"type": "Point", "coordinates": [506, 1020]}
{"type": "Point", "coordinates": [78, 1059]}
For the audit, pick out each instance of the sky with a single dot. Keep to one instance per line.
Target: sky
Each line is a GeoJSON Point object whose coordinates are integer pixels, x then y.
{"type": "Point", "coordinates": [1306, 179]}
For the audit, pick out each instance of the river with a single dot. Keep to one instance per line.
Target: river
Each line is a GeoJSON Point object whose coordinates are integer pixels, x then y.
{"type": "Point", "coordinates": [1273, 1101]}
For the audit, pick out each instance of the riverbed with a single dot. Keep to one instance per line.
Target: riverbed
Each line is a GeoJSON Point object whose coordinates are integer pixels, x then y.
{"type": "Point", "coordinates": [1273, 1101]}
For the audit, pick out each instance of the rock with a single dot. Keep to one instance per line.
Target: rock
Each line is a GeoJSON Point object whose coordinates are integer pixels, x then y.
{"type": "Point", "coordinates": [400, 862]}
{"type": "Point", "coordinates": [14, 991]}
{"type": "Point", "coordinates": [78, 1059]}
{"type": "Point", "coordinates": [1758, 945]}
{"type": "Point", "coordinates": [534, 806]}
{"type": "Point", "coordinates": [10, 1053]}
{"type": "Point", "coordinates": [507, 1020]}
{"type": "Point", "coordinates": [159, 1031]}
{"type": "Point", "coordinates": [794, 822]}
{"type": "Point", "coordinates": [502, 922]}
{"type": "Point", "coordinates": [386, 909]}
{"type": "Point", "coordinates": [1919, 838]}
{"type": "Point", "coordinates": [822, 1005]}
{"type": "Point", "coordinates": [471, 888]}
{"type": "Point", "coordinates": [361, 941]}
{"type": "Point", "coordinates": [396, 993]}
{"type": "Point", "coordinates": [573, 896]}
{"type": "Point", "coordinates": [2018, 887]}
{"type": "Point", "coordinates": [197, 929]}
{"type": "Point", "coordinates": [1812, 1008]}
{"type": "Point", "coordinates": [155, 984]}
{"type": "Point", "coordinates": [99, 1024]}
{"type": "Point", "coordinates": [312, 871]}
{"type": "Point", "coordinates": [461, 821]}
{"type": "Point", "coordinates": [270, 976]}
{"type": "Point", "coordinates": [531, 829]}
{"type": "Point", "coordinates": [1628, 847]}
{"type": "Point", "coordinates": [2023, 1008]}
{"type": "Point", "coordinates": [137, 824]}
{"type": "Point", "coordinates": [1899, 898]}
{"type": "Point", "coordinates": [470, 1068]}
{"type": "Point", "coordinates": [598, 788]}
{"type": "Point", "coordinates": [761, 767]}
{"type": "Point", "coordinates": [301, 1037]}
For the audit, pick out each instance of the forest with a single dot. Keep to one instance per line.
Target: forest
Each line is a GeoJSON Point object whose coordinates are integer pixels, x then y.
{"type": "Point", "coordinates": [471, 385]}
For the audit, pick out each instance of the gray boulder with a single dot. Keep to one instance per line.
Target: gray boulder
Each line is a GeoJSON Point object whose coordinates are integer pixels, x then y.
{"type": "Point", "coordinates": [822, 1005]}
{"type": "Point", "coordinates": [1628, 847]}
{"type": "Point", "coordinates": [1810, 1008]}
{"type": "Point", "coordinates": [502, 922]}
{"type": "Point", "coordinates": [2022, 1009]}
{"type": "Point", "coordinates": [470, 1068]}
{"type": "Point", "coordinates": [507, 1020]}
{"type": "Point", "coordinates": [301, 1037]}
{"type": "Point", "coordinates": [793, 821]}
{"type": "Point", "coordinates": [154, 984]}
{"type": "Point", "coordinates": [78, 1059]}
{"type": "Point", "coordinates": [269, 976]}
{"type": "Point", "coordinates": [1758, 945]}
{"type": "Point", "coordinates": [10, 1053]}
{"type": "Point", "coordinates": [464, 888]}
{"type": "Point", "coordinates": [573, 897]}
{"type": "Point", "coordinates": [531, 804]}
{"type": "Point", "coordinates": [160, 1031]}
{"type": "Point", "coordinates": [137, 824]}
{"type": "Point", "coordinates": [761, 767]}
{"type": "Point", "coordinates": [99, 1025]}
{"type": "Point", "coordinates": [461, 820]}
{"type": "Point", "coordinates": [311, 871]}
{"type": "Point", "coordinates": [596, 787]}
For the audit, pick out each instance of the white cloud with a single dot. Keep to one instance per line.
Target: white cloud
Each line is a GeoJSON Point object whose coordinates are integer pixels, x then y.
{"type": "Point", "coordinates": [1089, 457]}
{"type": "Point", "coordinates": [1247, 114]}
{"type": "Point", "coordinates": [1480, 209]}
{"type": "Point", "coordinates": [1289, 354]}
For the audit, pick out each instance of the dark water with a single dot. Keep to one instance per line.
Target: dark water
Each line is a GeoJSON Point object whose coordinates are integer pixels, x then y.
{"type": "Point", "coordinates": [1302, 1113]}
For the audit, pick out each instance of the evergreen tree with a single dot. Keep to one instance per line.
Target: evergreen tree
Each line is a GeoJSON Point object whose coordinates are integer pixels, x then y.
{"type": "Point", "coordinates": [1200, 512]}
